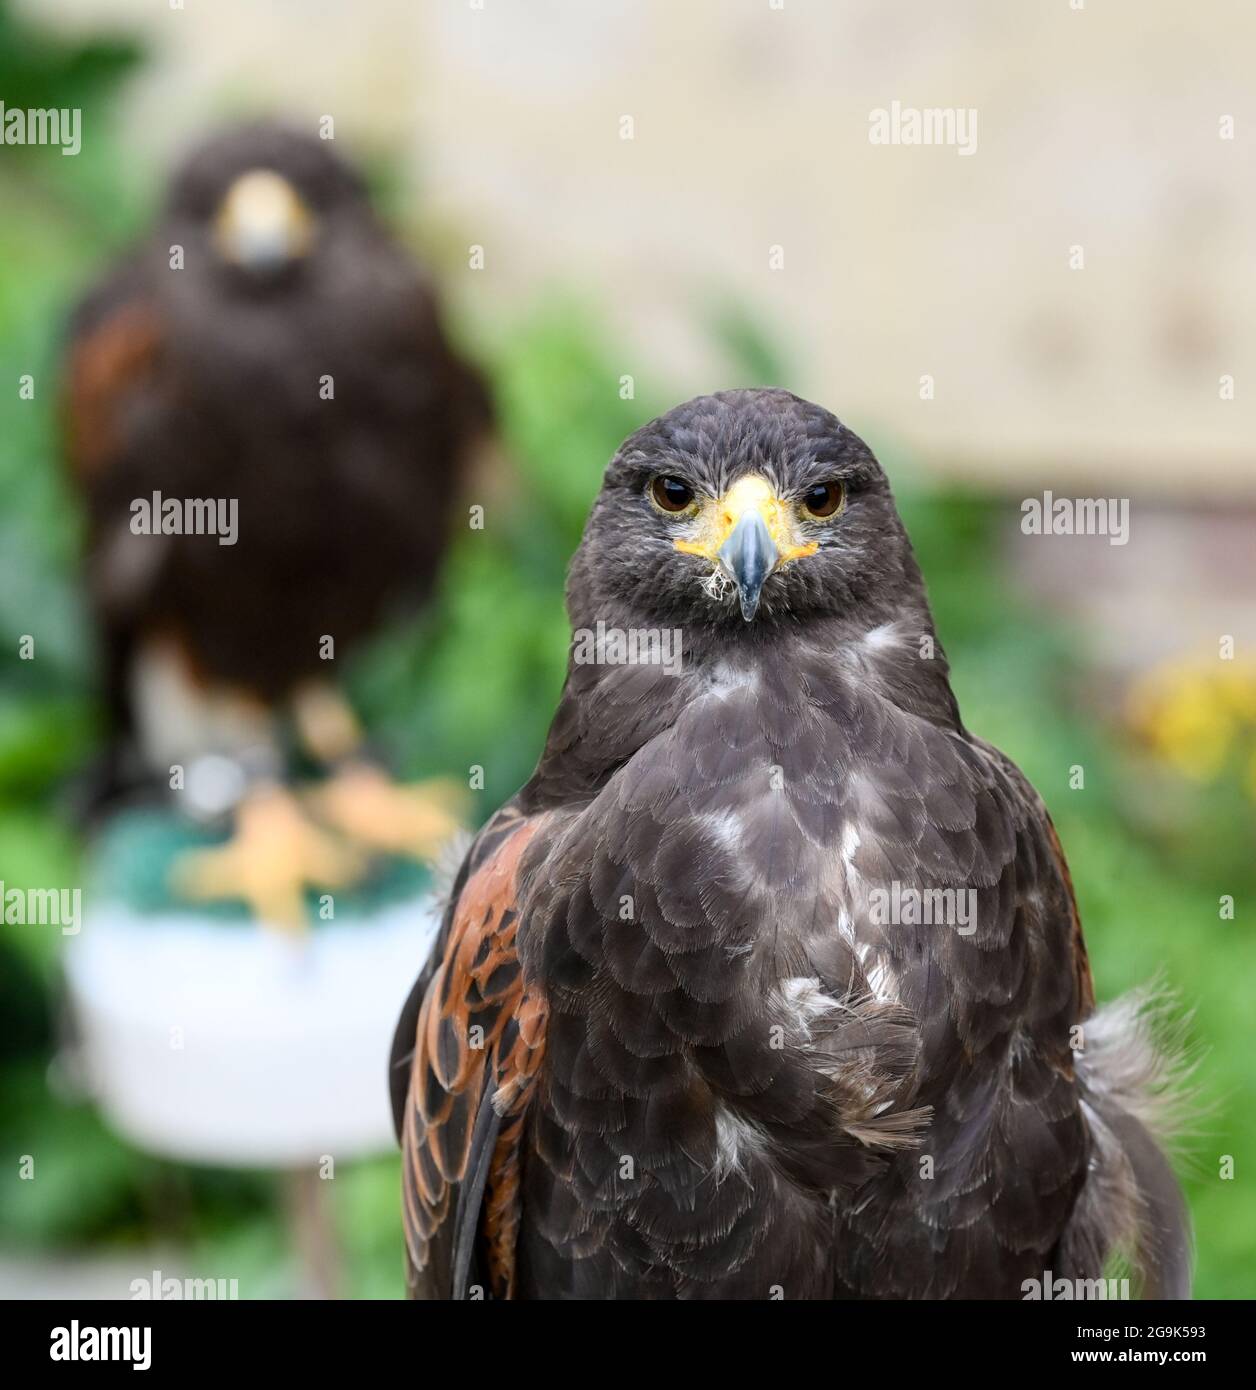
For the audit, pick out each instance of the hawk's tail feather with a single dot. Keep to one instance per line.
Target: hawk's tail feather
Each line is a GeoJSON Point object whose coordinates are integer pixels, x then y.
{"type": "Point", "coordinates": [1134, 1070]}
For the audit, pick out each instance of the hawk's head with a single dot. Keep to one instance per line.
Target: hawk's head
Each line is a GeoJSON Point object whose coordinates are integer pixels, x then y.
{"type": "Point", "coordinates": [258, 199]}
{"type": "Point", "coordinates": [746, 507]}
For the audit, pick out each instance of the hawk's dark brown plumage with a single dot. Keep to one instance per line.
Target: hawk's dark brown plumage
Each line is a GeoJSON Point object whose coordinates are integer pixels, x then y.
{"type": "Point", "coordinates": [750, 1082]}
{"type": "Point", "coordinates": [310, 382]}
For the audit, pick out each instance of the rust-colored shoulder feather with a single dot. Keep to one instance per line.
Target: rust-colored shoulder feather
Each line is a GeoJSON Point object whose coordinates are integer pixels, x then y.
{"type": "Point", "coordinates": [478, 1043]}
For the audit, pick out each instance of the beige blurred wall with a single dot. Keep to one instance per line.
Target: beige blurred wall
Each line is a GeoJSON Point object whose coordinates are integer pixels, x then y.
{"type": "Point", "coordinates": [1097, 127]}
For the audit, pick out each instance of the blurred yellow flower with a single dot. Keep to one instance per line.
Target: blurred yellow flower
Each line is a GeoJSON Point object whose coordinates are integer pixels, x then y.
{"type": "Point", "coordinates": [1197, 717]}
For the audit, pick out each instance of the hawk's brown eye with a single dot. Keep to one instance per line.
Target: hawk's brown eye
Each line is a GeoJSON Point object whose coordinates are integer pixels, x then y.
{"type": "Point", "coordinates": [824, 499]}
{"type": "Point", "coordinates": [671, 494]}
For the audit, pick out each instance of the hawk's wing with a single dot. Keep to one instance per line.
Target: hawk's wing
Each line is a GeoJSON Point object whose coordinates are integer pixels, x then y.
{"type": "Point", "coordinates": [466, 1051]}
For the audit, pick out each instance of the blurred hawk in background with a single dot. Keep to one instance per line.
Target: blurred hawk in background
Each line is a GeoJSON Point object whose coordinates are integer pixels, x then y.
{"type": "Point", "coordinates": [680, 1037]}
{"type": "Point", "coordinates": [269, 348]}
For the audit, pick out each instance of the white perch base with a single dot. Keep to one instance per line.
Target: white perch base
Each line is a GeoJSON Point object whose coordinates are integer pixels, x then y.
{"type": "Point", "coordinates": [224, 1043]}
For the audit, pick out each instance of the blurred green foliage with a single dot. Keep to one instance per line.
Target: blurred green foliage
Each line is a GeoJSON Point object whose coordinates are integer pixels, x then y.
{"type": "Point", "coordinates": [474, 681]}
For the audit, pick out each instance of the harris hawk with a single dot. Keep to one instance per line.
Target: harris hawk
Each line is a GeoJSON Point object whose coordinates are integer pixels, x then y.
{"type": "Point", "coordinates": [270, 355]}
{"type": "Point", "coordinates": [680, 1036]}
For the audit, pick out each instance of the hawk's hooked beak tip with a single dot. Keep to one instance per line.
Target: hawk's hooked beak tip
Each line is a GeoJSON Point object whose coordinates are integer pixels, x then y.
{"type": "Point", "coordinates": [748, 556]}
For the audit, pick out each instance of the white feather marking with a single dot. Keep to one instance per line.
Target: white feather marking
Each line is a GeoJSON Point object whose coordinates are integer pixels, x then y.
{"type": "Point", "coordinates": [724, 826]}
{"type": "Point", "coordinates": [725, 679]}
{"type": "Point", "coordinates": [736, 1142]}
{"type": "Point", "coordinates": [881, 638]}
{"type": "Point", "coordinates": [179, 720]}
{"type": "Point", "coordinates": [850, 843]}
{"type": "Point", "coordinates": [802, 1001]}
{"type": "Point", "coordinates": [882, 980]}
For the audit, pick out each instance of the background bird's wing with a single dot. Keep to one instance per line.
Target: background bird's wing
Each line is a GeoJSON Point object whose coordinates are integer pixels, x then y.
{"type": "Point", "coordinates": [110, 393]}
{"type": "Point", "coordinates": [113, 344]}
{"type": "Point", "coordinates": [466, 1050]}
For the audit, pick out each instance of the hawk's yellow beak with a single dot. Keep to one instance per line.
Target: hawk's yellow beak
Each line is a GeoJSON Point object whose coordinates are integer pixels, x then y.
{"type": "Point", "coordinates": [748, 533]}
{"type": "Point", "coordinates": [262, 223]}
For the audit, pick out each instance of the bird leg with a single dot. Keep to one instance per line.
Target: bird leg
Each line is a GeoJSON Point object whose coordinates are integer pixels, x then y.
{"type": "Point", "coordinates": [274, 854]}
{"type": "Point", "coordinates": [360, 800]}
{"type": "Point", "coordinates": [326, 724]}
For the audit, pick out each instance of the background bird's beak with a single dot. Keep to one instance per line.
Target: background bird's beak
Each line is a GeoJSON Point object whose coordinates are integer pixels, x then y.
{"type": "Point", "coordinates": [748, 556]}
{"type": "Point", "coordinates": [262, 223]}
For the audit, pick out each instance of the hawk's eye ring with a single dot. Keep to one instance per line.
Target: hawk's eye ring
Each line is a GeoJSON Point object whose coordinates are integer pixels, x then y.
{"type": "Point", "coordinates": [824, 500]}
{"type": "Point", "coordinates": [671, 494]}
